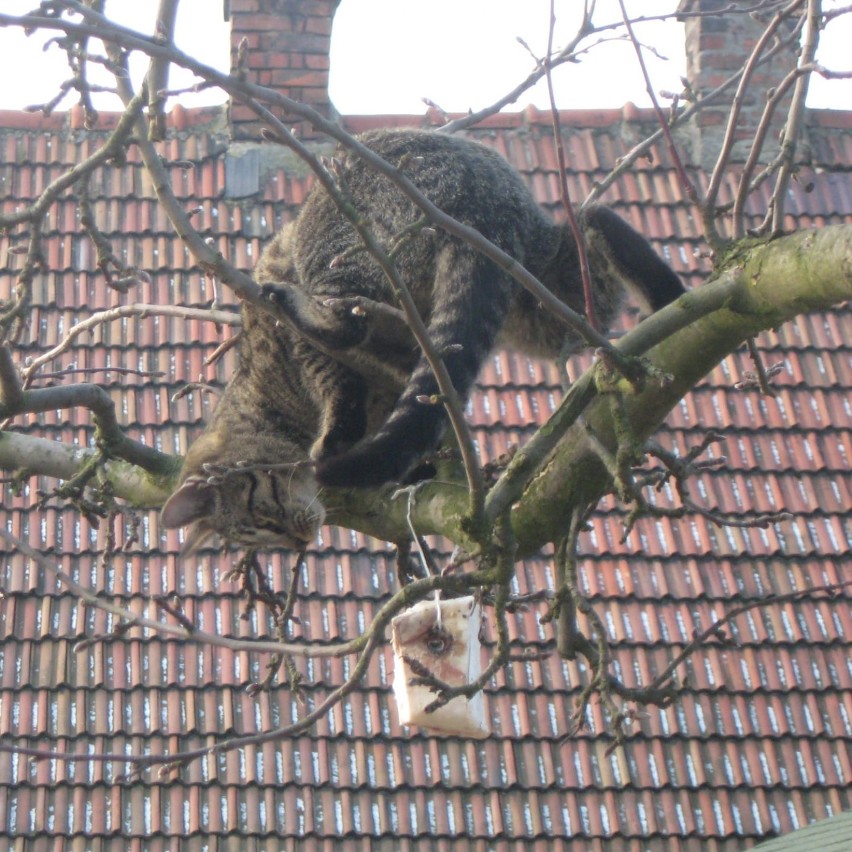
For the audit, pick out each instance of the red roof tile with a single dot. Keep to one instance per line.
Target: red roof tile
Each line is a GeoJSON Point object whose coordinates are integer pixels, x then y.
{"type": "Point", "coordinates": [758, 742]}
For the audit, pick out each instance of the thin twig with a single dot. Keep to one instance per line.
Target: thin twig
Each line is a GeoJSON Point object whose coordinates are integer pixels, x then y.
{"type": "Point", "coordinates": [685, 182]}
{"type": "Point", "coordinates": [641, 149]}
{"type": "Point", "coordinates": [568, 208]}
{"type": "Point", "coordinates": [722, 161]}
{"type": "Point", "coordinates": [715, 629]}
{"type": "Point", "coordinates": [747, 183]}
{"type": "Point", "coordinates": [795, 115]}
{"type": "Point", "coordinates": [140, 310]}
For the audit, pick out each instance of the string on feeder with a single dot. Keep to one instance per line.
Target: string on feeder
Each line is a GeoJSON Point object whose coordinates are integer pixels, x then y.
{"type": "Point", "coordinates": [410, 491]}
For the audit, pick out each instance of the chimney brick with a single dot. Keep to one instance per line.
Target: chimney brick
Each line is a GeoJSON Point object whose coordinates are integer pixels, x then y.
{"type": "Point", "coordinates": [719, 38]}
{"type": "Point", "coordinates": [288, 50]}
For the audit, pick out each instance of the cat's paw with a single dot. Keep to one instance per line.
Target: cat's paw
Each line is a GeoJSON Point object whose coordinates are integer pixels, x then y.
{"type": "Point", "coordinates": [332, 322]}
{"type": "Point", "coordinates": [344, 324]}
{"type": "Point", "coordinates": [285, 296]}
{"type": "Point", "coordinates": [330, 445]}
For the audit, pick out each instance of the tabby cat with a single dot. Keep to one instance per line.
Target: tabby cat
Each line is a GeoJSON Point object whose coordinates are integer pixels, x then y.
{"type": "Point", "coordinates": [290, 400]}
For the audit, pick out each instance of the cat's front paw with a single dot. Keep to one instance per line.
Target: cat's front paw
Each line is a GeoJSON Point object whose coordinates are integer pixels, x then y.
{"type": "Point", "coordinates": [282, 294]}
{"type": "Point", "coordinates": [330, 321]}
{"type": "Point", "coordinates": [344, 323]}
{"type": "Point", "coordinates": [330, 445]}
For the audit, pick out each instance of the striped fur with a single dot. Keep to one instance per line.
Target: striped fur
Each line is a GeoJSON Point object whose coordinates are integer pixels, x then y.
{"type": "Point", "coordinates": [289, 401]}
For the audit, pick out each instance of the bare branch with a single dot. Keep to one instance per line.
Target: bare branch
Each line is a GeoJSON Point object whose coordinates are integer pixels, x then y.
{"type": "Point", "coordinates": [728, 142]}
{"type": "Point", "coordinates": [747, 184]}
{"type": "Point", "coordinates": [109, 435]}
{"type": "Point", "coordinates": [567, 207]}
{"type": "Point", "coordinates": [157, 80]}
{"type": "Point", "coordinates": [143, 311]}
{"type": "Point", "coordinates": [567, 54]}
{"type": "Point", "coordinates": [32, 456]}
{"type": "Point", "coordinates": [642, 148]}
{"type": "Point", "coordinates": [795, 115]}
{"type": "Point", "coordinates": [686, 183]}
{"type": "Point", "coordinates": [116, 141]}
{"type": "Point", "coordinates": [749, 295]}
{"type": "Point", "coordinates": [715, 629]}
{"type": "Point", "coordinates": [11, 313]}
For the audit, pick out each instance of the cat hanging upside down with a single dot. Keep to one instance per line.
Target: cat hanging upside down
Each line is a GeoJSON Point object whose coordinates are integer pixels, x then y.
{"type": "Point", "coordinates": [246, 477]}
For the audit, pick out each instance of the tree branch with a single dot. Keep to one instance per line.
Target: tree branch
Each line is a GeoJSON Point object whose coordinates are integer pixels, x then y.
{"type": "Point", "coordinates": [157, 80]}
{"type": "Point", "coordinates": [32, 456]}
{"type": "Point", "coordinates": [795, 115]}
{"type": "Point", "coordinates": [722, 161]}
{"type": "Point", "coordinates": [110, 436]}
{"type": "Point", "coordinates": [759, 288]}
{"type": "Point", "coordinates": [111, 314]}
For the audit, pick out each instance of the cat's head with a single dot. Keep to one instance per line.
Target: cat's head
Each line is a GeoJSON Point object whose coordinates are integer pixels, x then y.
{"type": "Point", "coordinates": [246, 503]}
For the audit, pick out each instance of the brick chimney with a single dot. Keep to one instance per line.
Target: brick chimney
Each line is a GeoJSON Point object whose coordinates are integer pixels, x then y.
{"type": "Point", "coordinates": [719, 40]}
{"type": "Point", "coordinates": [288, 45]}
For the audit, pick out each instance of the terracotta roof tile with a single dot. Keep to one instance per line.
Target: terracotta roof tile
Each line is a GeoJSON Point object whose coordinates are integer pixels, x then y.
{"type": "Point", "coordinates": [759, 740]}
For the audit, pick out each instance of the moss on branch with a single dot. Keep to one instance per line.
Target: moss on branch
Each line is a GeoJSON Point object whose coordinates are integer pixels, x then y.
{"type": "Point", "coordinates": [760, 287]}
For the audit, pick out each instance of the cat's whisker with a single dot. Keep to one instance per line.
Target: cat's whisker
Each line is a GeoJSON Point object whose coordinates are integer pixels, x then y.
{"type": "Point", "coordinates": [329, 513]}
{"type": "Point", "coordinates": [290, 479]}
{"type": "Point", "coordinates": [313, 501]}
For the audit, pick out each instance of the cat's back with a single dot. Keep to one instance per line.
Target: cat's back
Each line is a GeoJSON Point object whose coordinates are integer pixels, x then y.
{"type": "Point", "coordinates": [465, 179]}
{"type": "Point", "coordinates": [455, 173]}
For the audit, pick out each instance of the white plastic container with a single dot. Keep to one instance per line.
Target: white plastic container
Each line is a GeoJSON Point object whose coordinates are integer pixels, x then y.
{"type": "Point", "coordinates": [442, 638]}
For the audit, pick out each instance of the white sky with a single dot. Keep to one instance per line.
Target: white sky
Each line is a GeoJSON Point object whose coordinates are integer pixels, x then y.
{"type": "Point", "coordinates": [389, 54]}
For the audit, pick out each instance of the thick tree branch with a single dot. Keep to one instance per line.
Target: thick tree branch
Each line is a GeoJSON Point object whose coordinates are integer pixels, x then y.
{"type": "Point", "coordinates": [764, 286]}
{"type": "Point", "coordinates": [32, 456]}
{"type": "Point", "coordinates": [110, 437]}
{"type": "Point", "coordinates": [759, 288]}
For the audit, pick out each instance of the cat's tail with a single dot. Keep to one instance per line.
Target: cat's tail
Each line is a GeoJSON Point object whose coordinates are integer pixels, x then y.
{"type": "Point", "coordinates": [470, 300]}
{"type": "Point", "coordinates": [633, 260]}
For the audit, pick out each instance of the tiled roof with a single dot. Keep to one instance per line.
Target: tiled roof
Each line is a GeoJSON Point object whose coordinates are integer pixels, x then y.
{"type": "Point", "coordinates": [759, 742]}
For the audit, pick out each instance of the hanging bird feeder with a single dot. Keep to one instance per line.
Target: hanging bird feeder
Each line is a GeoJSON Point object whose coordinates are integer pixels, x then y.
{"type": "Point", "coordinates": [439, 638]}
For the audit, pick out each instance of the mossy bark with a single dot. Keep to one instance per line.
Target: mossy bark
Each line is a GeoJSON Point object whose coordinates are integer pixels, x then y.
{"type": "Point", "coordinates": [758, 288]}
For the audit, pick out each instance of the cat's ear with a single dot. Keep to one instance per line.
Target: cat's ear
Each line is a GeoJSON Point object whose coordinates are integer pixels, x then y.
{"type": "Point", "coordinates": [193, 501]}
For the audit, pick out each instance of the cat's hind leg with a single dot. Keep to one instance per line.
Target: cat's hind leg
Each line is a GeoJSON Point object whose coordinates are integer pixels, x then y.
{"type": "Point", "coordinates": [341, 396]}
